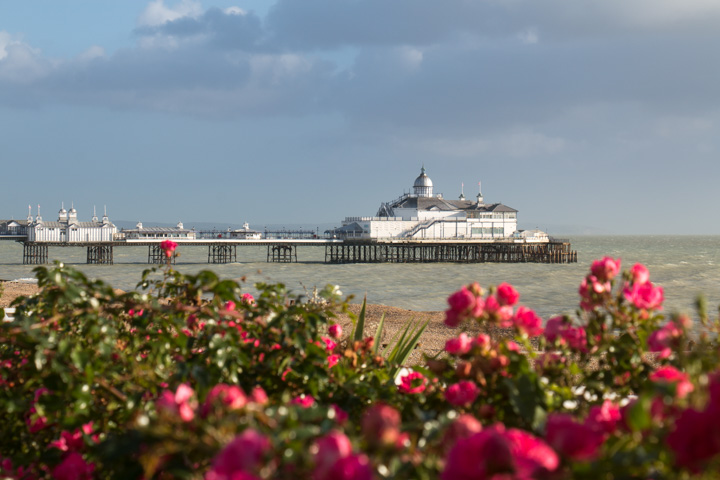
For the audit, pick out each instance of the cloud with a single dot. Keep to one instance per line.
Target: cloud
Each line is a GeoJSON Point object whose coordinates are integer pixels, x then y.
{"type": "Point", "coordinates": [156, 13]}
{"type": "Point", "coordinates": [19, 62]}
{"type": "Point", "coordinates": [413, 67]}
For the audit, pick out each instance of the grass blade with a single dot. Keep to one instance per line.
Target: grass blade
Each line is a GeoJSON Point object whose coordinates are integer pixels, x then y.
{"type": "Point", "coordinates": [360, 326]}
{"type": "Point", "coordinates": [378, 334]}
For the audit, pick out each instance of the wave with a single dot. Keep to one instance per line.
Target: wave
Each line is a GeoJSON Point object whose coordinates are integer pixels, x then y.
{"type": "Point", "coordinates": [25, 280]}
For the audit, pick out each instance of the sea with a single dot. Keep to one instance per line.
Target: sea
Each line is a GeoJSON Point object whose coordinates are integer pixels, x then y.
{"type": "Point", "coordinates": [686, 266]}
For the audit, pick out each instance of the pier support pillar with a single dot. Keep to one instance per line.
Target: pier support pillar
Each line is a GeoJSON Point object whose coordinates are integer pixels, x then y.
{"type": "Point", "coordinates": [222, 253]}
{"type": "Point", "coordinates": [100, 254]}
{"type": "Point", "coordinates": [281, 254]}
{"type": "Point", "coordinates": [34, 254]}
{"type": "Point", "coordinates": [156, 255]}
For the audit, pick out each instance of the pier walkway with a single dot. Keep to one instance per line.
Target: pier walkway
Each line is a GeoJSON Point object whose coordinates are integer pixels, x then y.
{"type": "Point", "coordinates": [337, 251]}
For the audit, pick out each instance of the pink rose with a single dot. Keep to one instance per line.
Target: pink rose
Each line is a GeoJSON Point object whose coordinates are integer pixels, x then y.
{"type": "Point", "coordinates": [73, 467]}
{"type": "Point", "coordinates": [498, 453]}
{"type": "Point", "coordinates": [229, 396]}
{"type": "Point", "coordinates": [673, 375]}
{"type": "Point", "coordinates": [605, 269]}
{"type": "Point", "coordinates": [329, 449]}
{"type": "Point", "coordinates": [335, 331]}
{"type": "Point", "coordinates": [559, 329]}
{"type": "Point", "coordinates": [640, 274]}
{"type": "Point", "coordinates": [381, 424]}
{"type": "Point", "coordinates": [414, 382]}
{"type": "Point", "coordinates": [462, 427]}
{"type": "Point", "coordinates": [644, 296]}
{"type": "Point", "coordinates": [574, 440]}
{"type": "Point", "coordinates": [341, 415]}
{"type": "Point", "coordinates": [462, 393]}
{"type": "Point", "coordinates": [507, 295]}
{"type": "Point", "coordinates": [593, 292]}
{"type": "Point", "coordinates": [352, 467]}
{"type": "Point", "coordinates": [168, 246]}
{"type": "Point", "coordinates": [247, 299]}
{"type": "Point", "coordinates": [532, 455]}
{"type": "Point", "coordinates": [244, 454]}
{"type": "Point", "coordinates": [453, 318]}
{"type": "Point", "coordinates": [665, 339]}
{"type": "Point", "coordinates": [605, 417]}
{"type": "Point", "coordinates": [464, 304]}
{"type": "Point", "coordinates": [459, 345]}
{"type": "Point", "coordinates": [482, 341]}
{"type": "Point", "coordinates": [462, 300]}
{"type": "Point", "coordinates": [258, 396]}
{"type": "Point", "coordinates": [695, 440]}
{"type": "Point", "coordinates": [329, 344]}
{"type": "Point", "coordinates": [180, 403]}
{"type": "Point", "coordinates": [527, 321]}
{"type": "Point", "coordinates": [497, 313]}
{"type": "Point", "coordinates": [305, 401]}
{"type": "Point", "coordinates": [71, 441]}
{"type": "Point", "coordinates": [333, 360]}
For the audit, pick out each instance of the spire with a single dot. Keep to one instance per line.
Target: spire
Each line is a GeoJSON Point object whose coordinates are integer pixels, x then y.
{"type": "Point", "coordinates": [94, 217]}
{"type": "Point", "coordinates": [29, 217]}
{"type": "Point", "coordinates": [479, 195]}
{"type": "Point", "coordinates": [38, 219]}
{"type": "Point", "coordinates": [462, 191]}
{"type": "Point", "coordinates": [105, 219]}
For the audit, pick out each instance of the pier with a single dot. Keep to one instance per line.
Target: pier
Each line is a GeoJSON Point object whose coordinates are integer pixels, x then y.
{"type": "Point", "coordinates": [337, 251]}
{"type": "Point", "coordinates": [450, 252]}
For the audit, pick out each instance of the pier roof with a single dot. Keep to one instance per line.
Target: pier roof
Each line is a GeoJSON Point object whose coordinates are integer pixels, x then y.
{"type": "Point", "coordinates": [439, 203]}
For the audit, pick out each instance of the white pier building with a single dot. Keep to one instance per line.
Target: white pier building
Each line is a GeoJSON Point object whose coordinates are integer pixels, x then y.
{"type": "Point", "coordinates": [68, 229]}
{"type": "Point", "coordinates": [424, 215]}
{"type": "Point", "coordinates": [140, 232]}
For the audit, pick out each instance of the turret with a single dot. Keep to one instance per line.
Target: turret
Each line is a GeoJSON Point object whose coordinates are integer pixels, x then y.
{"type": "Point", "coordinates": [72, 215]}
{"type": "Point", "coordinates": [423, 186]}
{"type": "Point", "coordinates": [62, 214]}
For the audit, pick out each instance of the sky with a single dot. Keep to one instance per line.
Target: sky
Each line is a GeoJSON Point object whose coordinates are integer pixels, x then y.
{"type": "Point", "coordinates": [591, 116]}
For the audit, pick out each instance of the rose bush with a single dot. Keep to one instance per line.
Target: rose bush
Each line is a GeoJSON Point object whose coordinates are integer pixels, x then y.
{"type": "Point", "coordinates": [189, 377]}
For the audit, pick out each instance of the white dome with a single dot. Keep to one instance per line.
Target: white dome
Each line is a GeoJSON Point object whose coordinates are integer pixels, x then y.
{"type": "Point", "coordinates": [423, 180]}
{"type": "Point", "coordinates": [423, 186]}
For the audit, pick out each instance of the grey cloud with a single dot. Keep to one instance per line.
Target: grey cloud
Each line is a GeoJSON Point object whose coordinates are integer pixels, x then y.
{"type": "Point", "coordinates": [323, 24]}
{"type": "Point", "coordinates": [220, 29]}
{"type": "Point", "coordinates": [416, 68]}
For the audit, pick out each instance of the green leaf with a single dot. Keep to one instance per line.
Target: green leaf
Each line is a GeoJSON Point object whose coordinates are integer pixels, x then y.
{"type": "Point", "coordinates": [360, 325]}
{"type": "Point", "coordinates": [639, 414]}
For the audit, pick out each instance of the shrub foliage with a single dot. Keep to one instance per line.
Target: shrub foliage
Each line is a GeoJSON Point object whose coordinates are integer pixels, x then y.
{"type": "Point", "coordinates": [187, 377]}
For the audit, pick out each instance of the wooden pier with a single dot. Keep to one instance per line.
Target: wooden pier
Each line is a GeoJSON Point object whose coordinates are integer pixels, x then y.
{"type": "Point", "coordinates": [222, 253]}
{"type": "Point", "coordinates": [337, 251]}
{"type": "Point", "coordinates": [458, 252]}
{"type": "Point", "coordinates": [284, 253]}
